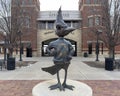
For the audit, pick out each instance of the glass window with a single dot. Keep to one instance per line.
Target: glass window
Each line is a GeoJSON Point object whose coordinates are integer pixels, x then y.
{"type": "Point", "coordinates": [27, 22]}
{"type": "Point", "coordinates": [20, 21]}
{"type": "Point", "coordinates": [95, 1]}
{"type": "Point", "coordinates": [24, 21]}
{"type": "Point", "coordinates": [50, 24]}
{"type": "Point", "coordinates": [68, 23]}
{"type": "Point", "coordinates": [23, 2]}
{"type": "Point", "coordinates": [76, 24]}
{"type": "Point", "coordinates": [102, 22]}
{"type": "Point", "coordinates": [30, 2]}
{"type": "Point", "coordinates": [103, 2]}
{"type": "Point", "coordinates": [88, 1]}
{"type": "Point", "coordinates": [90, 22]}
{"type": "Point", "coordinates": [97, 20]}
{"type": "Point", "coordinates": [16, 2]}
{"type": "Point", "coordinates": [42, 25]}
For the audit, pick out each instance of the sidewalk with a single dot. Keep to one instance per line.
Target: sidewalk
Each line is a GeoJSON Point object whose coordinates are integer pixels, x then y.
{"type": "Point", "coordinates": [20, 82]}
{"type": "Point", "coordinates": [77, 70]}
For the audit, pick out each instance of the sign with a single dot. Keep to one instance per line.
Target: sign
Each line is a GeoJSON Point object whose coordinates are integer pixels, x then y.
{"type": "Point", "coordinates": [54, 14]}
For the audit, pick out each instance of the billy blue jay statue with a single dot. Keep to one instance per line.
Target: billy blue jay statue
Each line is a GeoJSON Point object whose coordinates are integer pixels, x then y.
{"type": "Point", "coordinates": [62, 51]}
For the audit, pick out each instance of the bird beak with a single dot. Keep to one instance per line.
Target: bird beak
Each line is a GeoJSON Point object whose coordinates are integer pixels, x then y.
{"type": "Point", "coordinates": [69, 29]}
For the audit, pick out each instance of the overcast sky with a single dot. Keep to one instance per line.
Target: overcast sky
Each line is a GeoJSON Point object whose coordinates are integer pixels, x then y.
{"type": "Point", "coordinates": [55, 4]}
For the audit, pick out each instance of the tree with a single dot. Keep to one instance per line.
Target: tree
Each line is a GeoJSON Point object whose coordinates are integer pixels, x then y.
{"type": "Point", "coordinates": [11, 22]}
{"type": "Point", "coordinates": [111, 25]}
{"type": "Point", "coordinates": [106, 17]}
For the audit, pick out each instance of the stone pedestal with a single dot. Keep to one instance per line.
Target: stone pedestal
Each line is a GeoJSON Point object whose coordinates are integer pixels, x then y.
{"type": "Point", "coordinates": [81, 89]}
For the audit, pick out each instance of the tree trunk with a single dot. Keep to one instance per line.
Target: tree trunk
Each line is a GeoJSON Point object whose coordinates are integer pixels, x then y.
{"type": "Point", "coordinates": [111, 52]}
{"type": "Point", "coordinates": [10, 52]}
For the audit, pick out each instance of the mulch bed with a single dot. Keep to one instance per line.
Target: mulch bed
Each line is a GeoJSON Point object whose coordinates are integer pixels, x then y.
{"type": "Point", "coordinates": [24, 87]}
{"type": "Point", "coordinates": [97, 64]}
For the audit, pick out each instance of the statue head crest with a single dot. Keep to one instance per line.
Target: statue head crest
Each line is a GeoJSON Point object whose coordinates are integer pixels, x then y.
{"type": "Point", "coordinates": [59, 19]}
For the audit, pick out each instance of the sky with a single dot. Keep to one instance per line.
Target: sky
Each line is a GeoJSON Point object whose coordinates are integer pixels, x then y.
{"type": "Point", "coordinates": [46, 5]}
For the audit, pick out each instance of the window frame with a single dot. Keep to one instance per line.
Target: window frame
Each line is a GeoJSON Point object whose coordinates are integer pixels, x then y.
{"type": "Point", "coordinates": [42, 25]}
{"type": "Point", "coordinates": [90, 21]}
{"type": "Point", "coordinates": [50, 25]}
{"type": "Point", "coordinates": [88, 1]}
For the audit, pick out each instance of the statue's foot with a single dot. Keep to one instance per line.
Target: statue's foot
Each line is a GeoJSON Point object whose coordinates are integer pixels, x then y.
{"type": "Point", "coordinates": [58, 85]}
{"type": "Point", "coordinates": [67, 86]}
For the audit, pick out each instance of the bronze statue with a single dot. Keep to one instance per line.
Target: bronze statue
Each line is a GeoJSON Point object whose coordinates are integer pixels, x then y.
{"type": "Point", "coordinates": [62, 51]}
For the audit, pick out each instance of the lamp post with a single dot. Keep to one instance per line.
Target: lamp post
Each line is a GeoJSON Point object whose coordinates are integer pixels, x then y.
{"type": "Point", "coordinates": [20, 45]}
{"type": "Point", "coordinates": [5, 53]}
{"type": "Point", "coordinates": [97, 44]}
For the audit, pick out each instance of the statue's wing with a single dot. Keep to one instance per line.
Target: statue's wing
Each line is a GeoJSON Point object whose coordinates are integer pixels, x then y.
{"type": "Point", "coordinates": [52, 69]}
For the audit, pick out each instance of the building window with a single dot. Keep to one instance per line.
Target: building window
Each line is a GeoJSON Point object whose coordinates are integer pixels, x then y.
{"type": "Point", "coordinates": [103, 2]}
{"type": "Point", "coordinates": [30, 2]}
{"type": "Point", "coordinates": [42, 25]}
{"type": "Point", "coordinates": [50, 25]}
{"type": "Point", "coordinates": [95, 1]}
{"type": "Point", "coordinates": [97, 20]}
{"type": "Point", "coordinates": [103, 21]}
{"type": "Point", "coordinates": [68, 23]}
{"type": "Point", "coordinates": [90, 22]}
{"type": "Point", "coordinates": [23, 2]}
{"type": "Point", "coordinates": [76, 24]}
{"type": "Point", "coordinates": [88, 1]}
{"type": "Point", "coordinates": [27, 22]}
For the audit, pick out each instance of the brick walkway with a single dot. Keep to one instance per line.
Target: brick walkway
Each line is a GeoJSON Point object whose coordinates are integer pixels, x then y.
{"type": "Point", "coordinates": [19, 82]}
{"type": "Point", "coordinates": [24, 87]}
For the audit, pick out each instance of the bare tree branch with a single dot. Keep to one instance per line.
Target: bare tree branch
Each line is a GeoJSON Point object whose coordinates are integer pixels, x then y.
{"type": "Point", "coordinates": [11, 20]}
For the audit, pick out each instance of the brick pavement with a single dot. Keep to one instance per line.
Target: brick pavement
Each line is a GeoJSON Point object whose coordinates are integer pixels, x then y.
{"type": "Point", "coordinates": [24, 87]}
{"type": "Point", "coordinates": [20, 82]}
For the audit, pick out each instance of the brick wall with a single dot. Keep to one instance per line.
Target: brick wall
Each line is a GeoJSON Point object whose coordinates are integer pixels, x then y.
{"type": "Point", "coordinates": [31, 10]}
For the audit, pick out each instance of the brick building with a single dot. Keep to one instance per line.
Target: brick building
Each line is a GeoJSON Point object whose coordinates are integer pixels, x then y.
{"type": "Point", "coordinates": [46, 30]}
{"type": "Point", "coordinates": [28, 11]}
{"type": "Point", "coordinates": [91, 19]}
{"type": "Point", "coordinates": [37, 36]}
{"type": "Point", "coordinates": [39, 26]}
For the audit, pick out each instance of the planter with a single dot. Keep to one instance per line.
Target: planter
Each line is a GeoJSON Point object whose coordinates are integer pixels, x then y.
{"type": "Point", "coordinates": [109, 64]}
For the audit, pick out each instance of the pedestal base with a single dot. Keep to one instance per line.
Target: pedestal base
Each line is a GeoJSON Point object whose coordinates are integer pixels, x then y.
{"type": "Point", "coordinates": [81, 89]}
